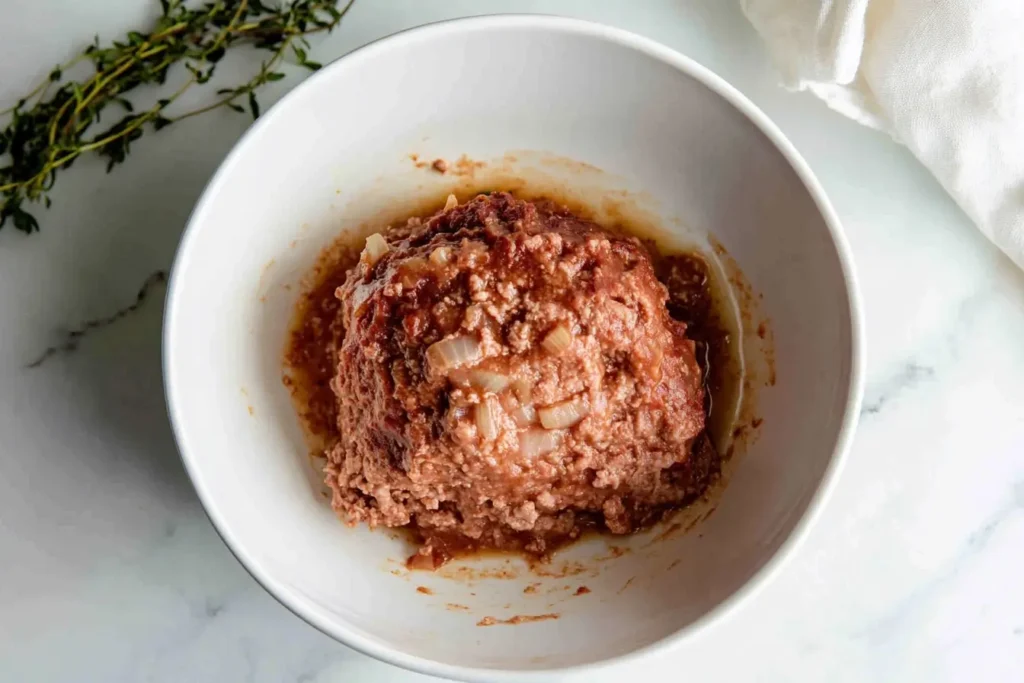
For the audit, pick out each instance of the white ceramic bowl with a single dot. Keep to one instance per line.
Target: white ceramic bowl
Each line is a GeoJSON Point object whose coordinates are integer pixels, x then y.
{"type": "Point", "coordinates": [334, 154]}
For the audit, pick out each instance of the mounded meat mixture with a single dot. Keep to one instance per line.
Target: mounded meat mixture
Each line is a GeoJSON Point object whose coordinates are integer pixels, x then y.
{"type": "Point", "coordinates": [508, 376]}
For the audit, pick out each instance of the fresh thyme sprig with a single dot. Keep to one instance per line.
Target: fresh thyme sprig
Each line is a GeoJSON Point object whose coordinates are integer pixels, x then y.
{"type": "Point", "coordinates": [54, 124]}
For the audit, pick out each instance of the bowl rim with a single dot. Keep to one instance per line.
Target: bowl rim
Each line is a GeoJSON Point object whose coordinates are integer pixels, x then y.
{"type": "Point", "coordinates": [295, 602]}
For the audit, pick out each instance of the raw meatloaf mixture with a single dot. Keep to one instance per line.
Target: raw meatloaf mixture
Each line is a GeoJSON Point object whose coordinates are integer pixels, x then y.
{"type": "Point", "coordinates": [508, 375]}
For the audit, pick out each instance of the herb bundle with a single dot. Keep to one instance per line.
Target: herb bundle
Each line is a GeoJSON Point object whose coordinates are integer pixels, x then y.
{"type": "Point", "coordinates": [56, 123]}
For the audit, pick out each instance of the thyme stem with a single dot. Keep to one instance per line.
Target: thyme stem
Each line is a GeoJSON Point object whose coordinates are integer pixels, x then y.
{"type": "Point", "coordinates": [51, 126]}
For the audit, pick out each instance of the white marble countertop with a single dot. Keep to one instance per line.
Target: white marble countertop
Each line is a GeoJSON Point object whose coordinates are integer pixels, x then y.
{"type": "Point", "coordinates": [110, 572]}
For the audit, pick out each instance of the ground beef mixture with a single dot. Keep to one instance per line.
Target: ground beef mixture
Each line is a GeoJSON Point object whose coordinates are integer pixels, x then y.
{"type": "Point", "coordinates": [508, 375]}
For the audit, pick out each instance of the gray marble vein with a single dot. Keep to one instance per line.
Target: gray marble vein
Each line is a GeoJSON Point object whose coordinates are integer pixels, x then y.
{"type": "Point", "coordinates": [910, 376]}
{"type": "Point", "coordinates": [74, 337]}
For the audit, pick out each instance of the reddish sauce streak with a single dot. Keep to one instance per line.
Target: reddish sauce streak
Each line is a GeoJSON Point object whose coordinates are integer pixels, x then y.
{"type": "Point", "coordinates": [310, 359]}
{"type": "Point", "coordinates": [518, 619]}
{"type": "Point", "coordinates": [686, 276]}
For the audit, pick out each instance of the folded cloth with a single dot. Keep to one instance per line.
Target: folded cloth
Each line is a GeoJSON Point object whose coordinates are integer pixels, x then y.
{"type": "Point", "coordinates": [944, 77]}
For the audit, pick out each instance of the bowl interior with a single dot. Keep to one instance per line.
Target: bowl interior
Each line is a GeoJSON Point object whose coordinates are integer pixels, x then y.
{"type": "Point", "coordinates": [334, 155]}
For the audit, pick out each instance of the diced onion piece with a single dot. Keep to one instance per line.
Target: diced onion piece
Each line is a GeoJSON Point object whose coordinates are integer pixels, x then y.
{"type": "Point", "coordinates": [562, 415]}
{"type": "Point", "coordinates": [439, 257]}
{"type": "Point", "coordinates": [376, 246]}
{"type": "Point", "coordinates": [485, 380]}
{"type": "Point", "coordinates": [525, 415]}
{"type": "Point", "coordinates": [523, 390]}
{"type": "Point", "coordinates": [411, 272]}
{"type": "Point", "coordinates": [557, 340]}
{"type": "Point", "coordinates": [486, 417]}
{"type": "Point", "coordinates": [450, 353]}
{"type": "Point", "coordinates": [451, 203]}
{"type": "Point", "coordinates": [537, 442]}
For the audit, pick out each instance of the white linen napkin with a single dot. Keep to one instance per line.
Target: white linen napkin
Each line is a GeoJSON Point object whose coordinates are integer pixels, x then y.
{"type": "Point", "coordinates": [944, 77]}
